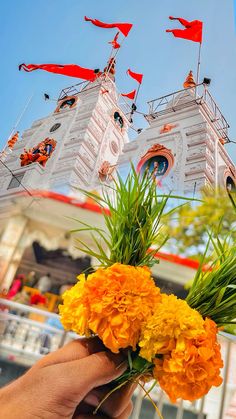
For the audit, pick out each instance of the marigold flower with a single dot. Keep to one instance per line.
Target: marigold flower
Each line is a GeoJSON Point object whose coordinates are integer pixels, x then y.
{"type": "Point", "coordinates": [189, 374]}
{"type": "Point", "coordinates": [172, 322]}
{"type": "Point", "coordinates": [113, 303]}
{"type": "Point", "coordinates": [73, 313]}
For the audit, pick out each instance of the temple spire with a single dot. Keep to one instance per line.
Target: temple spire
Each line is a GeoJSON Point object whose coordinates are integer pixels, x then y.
{"type": "Point", "coordinates": [189, 81]}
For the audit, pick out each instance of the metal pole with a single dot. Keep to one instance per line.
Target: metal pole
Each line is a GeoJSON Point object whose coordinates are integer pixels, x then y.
{"type": "Point", "coordinates": [136, 97]}
{"type": "Point", "coordinates": [137, 404]}
{"type": "Point", "coordinates": [216, 163]}
{"type": "Point", "coordinates": [180, 410]}
{"type": "Point", "coordinates": [21, 115]}
{"type": "Point", "coordinates": [200, 413]}
{"type": "Point", "coordinates": [225, 379]}
{"type": "Point", "coordinates": [113, 57]}
{"type": "Point", "coordinates": [199, 62]}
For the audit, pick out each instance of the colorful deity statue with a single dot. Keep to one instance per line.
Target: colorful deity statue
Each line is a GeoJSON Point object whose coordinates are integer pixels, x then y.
{"type": "Point", "coordinates": [13, 140]}
{"type": "Point", "coordinates": [167, 128]}
{"type": "Point", "coordinates": [39, 154]}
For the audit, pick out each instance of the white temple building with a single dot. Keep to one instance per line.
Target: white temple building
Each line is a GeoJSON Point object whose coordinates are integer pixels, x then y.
{"type": "Point", "coordinates": [84, 141]}
{"type": "Point", "coordinates": [184, 143]}
{"type": "Point", "coordinates": [81, 145]}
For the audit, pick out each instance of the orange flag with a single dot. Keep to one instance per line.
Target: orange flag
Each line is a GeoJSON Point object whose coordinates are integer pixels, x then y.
{"type": "Point", "coordinates": [136, 76]}
{"type": "Point", "coordinates": [114, 42]}
{"type": "Point", "coordinates": [130, 95]}
{"type": "Point", "coordinates": [123, 27]}
{"type": "Point", "coordinates": [71, 70]}
{"type": "Point", "coordinates": [192, 31]}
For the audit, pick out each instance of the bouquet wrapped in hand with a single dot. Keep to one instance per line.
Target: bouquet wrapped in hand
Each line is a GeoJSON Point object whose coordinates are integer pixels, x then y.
{"type": "Point", "coordinates": [165, 338]}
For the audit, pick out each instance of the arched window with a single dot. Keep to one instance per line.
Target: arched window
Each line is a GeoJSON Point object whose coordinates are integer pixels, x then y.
{"type": "Point", "coordinates": [118, 119]}
{"type": "Point", "coordinates": [67, 103]}
{"type": "Point", "coordinates": [230, 184]}
{"type": "Point", "coordinates": [156, 165]}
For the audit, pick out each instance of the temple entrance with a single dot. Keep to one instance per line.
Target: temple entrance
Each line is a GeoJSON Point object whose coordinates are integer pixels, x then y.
{"type": "Point", "coordinates": [47, 273]}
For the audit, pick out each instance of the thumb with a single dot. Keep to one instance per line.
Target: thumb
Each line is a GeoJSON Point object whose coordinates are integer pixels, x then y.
{"type": "Point", "coordinates": [80, 377]}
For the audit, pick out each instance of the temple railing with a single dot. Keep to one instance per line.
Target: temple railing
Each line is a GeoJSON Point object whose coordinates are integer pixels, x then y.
{"type": "Point", "coordinates": [185, 98]}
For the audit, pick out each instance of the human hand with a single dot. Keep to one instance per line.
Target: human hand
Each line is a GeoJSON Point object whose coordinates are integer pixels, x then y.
{"type": "Point", "coordinates": [69, 383]}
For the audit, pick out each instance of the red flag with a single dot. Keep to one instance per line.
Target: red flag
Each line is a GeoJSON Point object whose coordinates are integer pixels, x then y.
{"type": "Point", "coordinates": [193, 31]}
{"type": "Point", "coordinates": [114, 42]}
{"type": "Point", "coordinates": [130, 95]}
{"type": "Point", "coordinates": [71, 70]}
{"type": "Point", "coordinates": [136, 76]}
{"type": "Point", "coordinates": [123, 27]}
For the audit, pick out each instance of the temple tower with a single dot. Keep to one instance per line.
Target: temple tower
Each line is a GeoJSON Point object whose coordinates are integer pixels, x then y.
{"type": "Point", "coordinates": [184, 143]}
{"type": "Point", "coordinates": [77, 146]}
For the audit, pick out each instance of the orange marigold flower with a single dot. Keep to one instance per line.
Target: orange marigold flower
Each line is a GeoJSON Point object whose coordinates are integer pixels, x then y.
{"type": "Point", "coordinates": [189, 374]}
{"type": "Point", "coordinates": [112, 303]}
{"type": "Point", "coordinates": [172, 322]}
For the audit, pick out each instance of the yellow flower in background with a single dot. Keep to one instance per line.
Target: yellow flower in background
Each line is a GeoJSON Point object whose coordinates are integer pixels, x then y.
{"type": "Point", "coordinates": [112, 303]}
{"type": "Point", "coordinates": [172, 322]}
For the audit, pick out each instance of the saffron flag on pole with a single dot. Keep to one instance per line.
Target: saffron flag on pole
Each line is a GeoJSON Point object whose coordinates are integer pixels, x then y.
{"type": "Point", "coordinates": [136, 76]}
{"type": "Point", "coordinates": [114, 42]}
{"type": "Point", "coordinates": [192, 31]}
{"type": "Point", "coordinates": [122, 27]}
{"type": "Point", "coordinates": [71, 70]}
{"type": "Point", "coordinates": [130, 95]}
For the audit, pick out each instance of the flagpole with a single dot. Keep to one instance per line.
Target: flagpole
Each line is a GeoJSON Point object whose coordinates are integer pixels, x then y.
{"type": "Point", "coordinates": [199, 62]}
{"type": "Point", "coordinates": [21, 115]}
{"type": "Point", "coordinates": [136, 97]}
{"type": "Point", "coordinates": [113, 57]}
{"type": "Point", "coordinates": [3, 152]}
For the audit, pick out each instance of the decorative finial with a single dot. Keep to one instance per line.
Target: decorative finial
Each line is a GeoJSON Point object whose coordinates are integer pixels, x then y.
{"type": "Point", "coordinates": [189, 82]}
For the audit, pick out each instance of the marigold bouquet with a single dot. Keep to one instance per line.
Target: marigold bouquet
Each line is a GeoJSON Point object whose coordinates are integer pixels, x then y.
{"type": "Point", "coordinates": [165, 338]}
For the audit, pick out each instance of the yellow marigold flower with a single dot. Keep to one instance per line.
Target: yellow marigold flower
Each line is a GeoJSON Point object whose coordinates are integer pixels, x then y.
{"type": "Point", "coordinates": [172, 322]}
{"type": "Point", "coordinates": [73, 313]}
{"type": "Point", "coordinates": [112, 303]}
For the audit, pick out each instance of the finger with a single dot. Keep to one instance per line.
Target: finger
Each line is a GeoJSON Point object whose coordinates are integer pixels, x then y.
{"type": "Point", "coordinates": [115, 404]}
{"type": "Point", "coordinates": [124, 415]}
{"type": "Point", "coordinates": [79, 377]}
{"type": "Point", "coordinates": [77, 349]}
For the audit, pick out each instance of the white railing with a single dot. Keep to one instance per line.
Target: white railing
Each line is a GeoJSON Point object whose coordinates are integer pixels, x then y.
{"type": "Point", "coordinates": [186, 98]}
{"type": "Point", "coordinates": [27, 333]}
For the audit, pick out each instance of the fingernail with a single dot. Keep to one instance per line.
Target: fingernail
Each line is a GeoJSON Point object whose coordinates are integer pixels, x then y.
{"type": "Point", "coordinates": [122, 365]}
{"type": "Point", "coordinates": [119, 360]}
{"type": "Point", "coordinates": [92, 399]}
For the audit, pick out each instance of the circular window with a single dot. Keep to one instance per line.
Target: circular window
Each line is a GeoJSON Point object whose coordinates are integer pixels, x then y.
{"type": "Point", "coordinates": [114, 147]}
{"type": "Point", "coordinates": [230, 184]}
{"type": "Point", "coordinates": [156, 165]}
{"type": "Point", "coordinates": [55, 127]}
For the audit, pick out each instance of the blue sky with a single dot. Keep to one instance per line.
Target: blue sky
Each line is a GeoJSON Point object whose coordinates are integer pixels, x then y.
{"type": "Point", "coordinates": [54, 31]}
